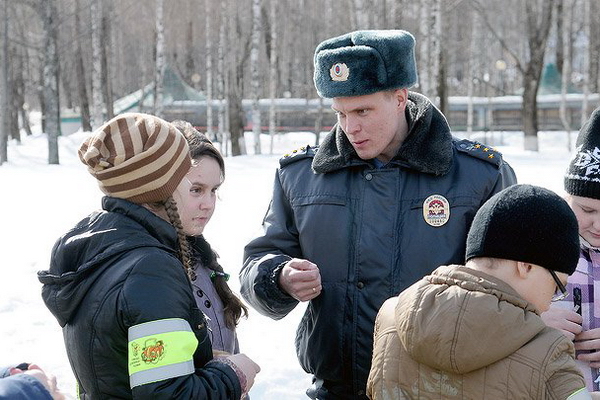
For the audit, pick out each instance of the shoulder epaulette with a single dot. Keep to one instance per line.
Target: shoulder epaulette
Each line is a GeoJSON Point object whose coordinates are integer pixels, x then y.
{"type": "Point", "coordinates": [479, 150]}
{"type": "Point", "coordinates": [297, 154]}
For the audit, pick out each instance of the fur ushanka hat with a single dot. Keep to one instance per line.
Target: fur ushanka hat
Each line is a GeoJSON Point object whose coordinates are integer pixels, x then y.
{"type": "Point", "coordinates": [365, 62]}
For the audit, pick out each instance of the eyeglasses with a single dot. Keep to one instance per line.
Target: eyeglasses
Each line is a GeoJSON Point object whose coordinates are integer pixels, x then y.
{"type": "Point", "coordinates": [561, 293]}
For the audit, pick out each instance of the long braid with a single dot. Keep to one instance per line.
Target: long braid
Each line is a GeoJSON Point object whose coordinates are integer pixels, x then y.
{"type": "Point", "coordinates": [185, 252]}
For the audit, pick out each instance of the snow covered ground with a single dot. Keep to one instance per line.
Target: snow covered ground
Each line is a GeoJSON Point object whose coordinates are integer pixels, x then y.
{"type": "Point", "coordinates": [39, 202]}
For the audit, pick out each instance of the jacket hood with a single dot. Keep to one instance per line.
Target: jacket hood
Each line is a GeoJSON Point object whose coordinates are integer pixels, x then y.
{"type": "Point", "coordinates": [427, 147]}
{"type": "Point", "coordinates": [89, 248]}
{"type": "Point", "coordinates": [449, 320]}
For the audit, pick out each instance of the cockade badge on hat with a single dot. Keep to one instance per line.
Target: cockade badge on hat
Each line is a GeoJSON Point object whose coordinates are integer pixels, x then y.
{"type": "Point", "coordinates": [339, 72]}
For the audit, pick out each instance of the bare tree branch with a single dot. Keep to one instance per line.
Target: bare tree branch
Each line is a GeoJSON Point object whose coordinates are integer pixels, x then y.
{"type": "Point", "coordinates": [481, 11]}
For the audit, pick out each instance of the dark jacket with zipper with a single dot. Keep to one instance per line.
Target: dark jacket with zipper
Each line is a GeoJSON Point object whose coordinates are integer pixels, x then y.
{"type": "Point", "coordinates": [366, 230]}
{"type": "Point", "coordinates": [116, 269]}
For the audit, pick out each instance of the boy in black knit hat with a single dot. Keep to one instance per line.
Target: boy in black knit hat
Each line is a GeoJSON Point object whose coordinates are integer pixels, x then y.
{"type": "Point", "coordinates": [474, 331]}
{"type": "Point", "coordinates": [578, 317]}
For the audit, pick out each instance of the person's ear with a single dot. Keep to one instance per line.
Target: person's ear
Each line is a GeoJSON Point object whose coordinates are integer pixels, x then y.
{"type": "Point", "coordinates": [401, 97]}
{"type": "Point", "coordinates": [523, 269]}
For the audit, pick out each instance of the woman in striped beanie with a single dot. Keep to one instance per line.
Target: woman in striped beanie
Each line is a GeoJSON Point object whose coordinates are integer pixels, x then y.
{"type": "Point", "coordinates": [119, 281]}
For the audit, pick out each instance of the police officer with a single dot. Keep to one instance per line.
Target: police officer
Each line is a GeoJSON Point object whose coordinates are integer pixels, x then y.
{"type": "Point", "coordinates": [387, 197]}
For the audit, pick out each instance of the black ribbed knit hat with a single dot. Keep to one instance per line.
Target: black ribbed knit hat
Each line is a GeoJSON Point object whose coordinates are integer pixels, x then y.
{"type": "Point", "coordinates": [583, 175]}
{"type": "Point", "coordinates": [529, 224]}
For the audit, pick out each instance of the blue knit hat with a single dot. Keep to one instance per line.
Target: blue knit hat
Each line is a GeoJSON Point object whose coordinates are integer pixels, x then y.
{"type": "Point", "coordinates": [365, 62]}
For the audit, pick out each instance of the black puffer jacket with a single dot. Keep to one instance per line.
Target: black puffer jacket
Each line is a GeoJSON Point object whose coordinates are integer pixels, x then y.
{"type": "Point", "coordinates": [118, 269]}
{"type": "Point", "coordinates": [372, 233]}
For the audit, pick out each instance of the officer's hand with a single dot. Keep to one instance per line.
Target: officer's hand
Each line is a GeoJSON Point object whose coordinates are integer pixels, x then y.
{"type": "Point", "coordinates": [301, 279]}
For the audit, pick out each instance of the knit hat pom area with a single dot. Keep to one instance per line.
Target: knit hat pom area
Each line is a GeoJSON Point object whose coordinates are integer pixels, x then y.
{"type": "Point", "coordinates": [137, 157]}
{"type": "Point", "coordinates": [526, 223]}
{"type": "Point", "coordinates": [365, 62]}
{"type": "Point", "coordinates": [583, 174]}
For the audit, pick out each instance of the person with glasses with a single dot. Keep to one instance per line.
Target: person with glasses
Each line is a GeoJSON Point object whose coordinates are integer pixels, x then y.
{"type": "Point", "coordinates": [474, 331]}
{"type": "Point", "coordinates": [578, 316]}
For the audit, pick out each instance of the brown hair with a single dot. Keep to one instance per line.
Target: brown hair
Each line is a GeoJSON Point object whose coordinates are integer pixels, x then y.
{"type": "Point", "coordinates": [185, 252]}
{"type": "Point", "coordinates": [201, 146]}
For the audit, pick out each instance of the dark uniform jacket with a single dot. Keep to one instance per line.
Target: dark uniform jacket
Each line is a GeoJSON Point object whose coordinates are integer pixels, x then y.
{"type": "Point", "coordinates": [117, 275]}
{"type": "Point", "coordinates": [372, 233]}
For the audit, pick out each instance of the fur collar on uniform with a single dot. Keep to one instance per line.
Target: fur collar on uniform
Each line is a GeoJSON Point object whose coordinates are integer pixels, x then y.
{"type": "Point", "coordinates": [427, 148]}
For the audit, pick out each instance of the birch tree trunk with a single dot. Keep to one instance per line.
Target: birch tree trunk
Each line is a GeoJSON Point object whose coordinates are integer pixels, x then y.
{"type": "Point", "coordinates": [560, 20]}
{"type": "Point", "coordinates": [19, 104]}
{"type": "Point", "coordinates": [234, 88]}
{"type": "Point", "coordinates": [40, 88]}
{"type": "Point", "coordinates": [221, 76]}
{"type": "Point", "coordinates": [256, 33]}
{"type": "Point", "coordinates": [594, 48]}
{"type": "Point", "coordinates": [392, 22]}
{"type": "Point", "coordinates": [106, 47]}
{"type": "Point", "coordinates": [440, 63]}
{"type": "Point", "coordinates": [473, 50]}
{"type": "Point", "coordinates": [190, 65]}
{"type": "Point", "coordinates": [273, 75]}
{"type": "Point", "coordinates": [539, 21]}
{"type": "Point", "coordinates": [566, 33]}
{"type": "Point", "coordinates": [426, 51]}
{"type": "Point", "coordinates": [17, 94]}
{"type": "Point", "coordinates": [360, 15]}
{"type": "Point", "coordinates": [84, 105]}
{"type": "Point", "coordinates": [209, 72]}
{"type": "Point", "coordinates": [51, 95]}
{"type": "Point", "coordinates": [320, 108]}
{"type": "Point", "coordinates": [97, 104]}
{"type": "Point", "coordinates": [586, 61]}
{"type": "Point", "coordinates": [159, 71]}
{"type": "Point", "coordinates": [4, 88]}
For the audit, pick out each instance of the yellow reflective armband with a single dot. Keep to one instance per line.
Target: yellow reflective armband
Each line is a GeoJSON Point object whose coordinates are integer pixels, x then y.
{"type": "Point", "coordinates": [160, 350]}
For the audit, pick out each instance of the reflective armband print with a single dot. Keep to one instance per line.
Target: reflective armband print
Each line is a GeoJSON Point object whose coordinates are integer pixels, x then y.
{"type": "Point", "coordinates": [581, 394]}
{"type": "Point", "coordinates": [160, 350]}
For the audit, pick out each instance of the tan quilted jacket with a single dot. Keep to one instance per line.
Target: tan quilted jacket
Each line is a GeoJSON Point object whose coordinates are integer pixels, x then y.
{"type": "Point", "coordinates": [463, 334]}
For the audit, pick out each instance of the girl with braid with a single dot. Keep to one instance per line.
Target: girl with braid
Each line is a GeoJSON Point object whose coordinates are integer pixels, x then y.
{"type": "Point", "coordinates": [220, 305]}
{"type": "Point", "coordinates": [120, 281]}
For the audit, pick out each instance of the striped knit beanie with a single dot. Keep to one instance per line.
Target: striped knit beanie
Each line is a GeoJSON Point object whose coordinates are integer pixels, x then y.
{"type": "Point", "coordinates": [137, 157]}
{"type": "Point", "coordinates": [583, 174]}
